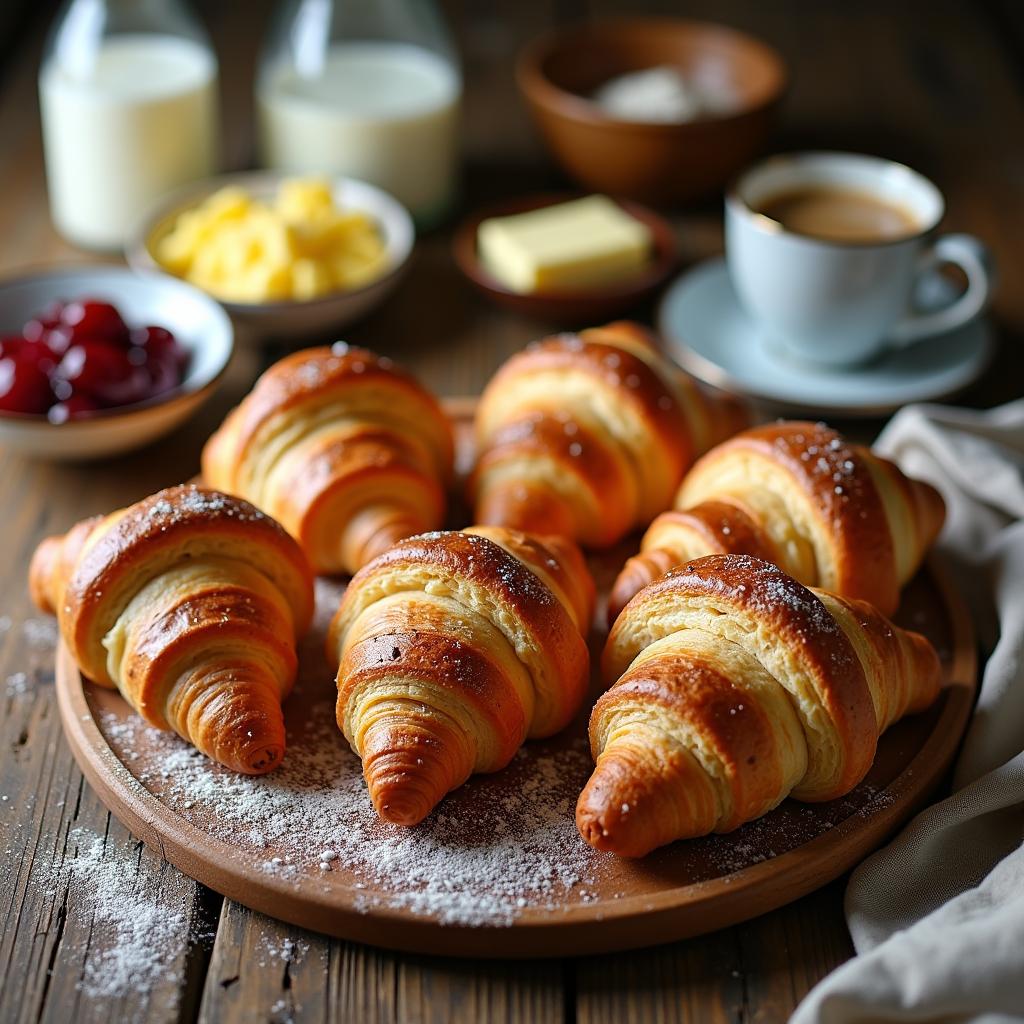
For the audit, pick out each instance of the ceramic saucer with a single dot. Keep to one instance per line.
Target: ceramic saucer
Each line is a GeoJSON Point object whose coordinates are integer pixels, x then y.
{"type": "Point", "coordinates": [710, 334]}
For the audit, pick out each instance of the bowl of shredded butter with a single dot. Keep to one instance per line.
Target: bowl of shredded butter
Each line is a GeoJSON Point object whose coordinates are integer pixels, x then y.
{"type": "Point", "coordinates": [287, 257]}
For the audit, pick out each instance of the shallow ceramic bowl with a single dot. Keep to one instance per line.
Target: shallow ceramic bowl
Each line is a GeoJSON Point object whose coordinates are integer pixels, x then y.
{"type": "Point", "coordinates": [578, 307]}
{"type": "Point", "coordinates": [198, 323]}
{"type": "Point", "coordinates": [287, 321]}
{"type": "Point", "coordinates": [652, 162]}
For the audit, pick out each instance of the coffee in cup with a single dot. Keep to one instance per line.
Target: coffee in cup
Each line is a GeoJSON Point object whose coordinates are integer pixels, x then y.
{"type": "Point", "coordinates": [839, 215]}
{"type": "Point", "coordinates": [825, 251]}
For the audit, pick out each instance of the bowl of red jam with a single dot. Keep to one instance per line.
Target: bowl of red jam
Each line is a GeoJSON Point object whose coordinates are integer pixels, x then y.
{"type": "Point", "coordinates": [96, 361]}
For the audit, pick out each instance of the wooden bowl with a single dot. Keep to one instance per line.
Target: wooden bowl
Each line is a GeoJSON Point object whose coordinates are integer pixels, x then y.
{"type": "Point", "coordinates": [584, 306]}
{"type": "Point", "coordinates": [652, 162]}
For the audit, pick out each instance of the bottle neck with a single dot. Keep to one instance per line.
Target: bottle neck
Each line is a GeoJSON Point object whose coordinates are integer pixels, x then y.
{"type": "Point", "coordinates": [310, 27]}
{"type": "Point", "coordinates": [85, 25]}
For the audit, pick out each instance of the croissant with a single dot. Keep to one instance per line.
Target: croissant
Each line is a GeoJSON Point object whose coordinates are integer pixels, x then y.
{"type": "Point", "coordinates": [189, 603]}
{"type": "Point", "coordinates": [345, 450]}
{"type": "Point", "coordinates": [453, 649]}
{"type": "Point", "coordinates": [736, 687]}
{"type": "Point", "coordinates": [831, 513]}
{"type": "Point", "coordinates": [588, 435]}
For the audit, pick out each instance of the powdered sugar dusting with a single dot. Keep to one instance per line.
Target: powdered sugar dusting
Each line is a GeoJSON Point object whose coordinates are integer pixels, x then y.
{"type": "Point", "coordinates": [40, 633]}
{"type": "Point", "coordinates": [292, 951]}
{"type": "Point", "coordinates": [784, 829]}
{"type": "Point", "coordinates": [481, 859]}
{"type": "Point", "coordinates": [134, 931]}
{"type": "Point", "coordinates": [828, 459]}
{"type": "Point", "coordinates": [767, 592]}
{"type": "Point", "coordinates": [502, 845]}
{"type": "Point", "coordinates": [321, 367]}
{"type": "Point", "coordinates": [770, 589]}
{"type": "Point", "coordinates": [484, 558]}
{"type": "Point", "coordinates": [178, 503]}
{"type": "Point", "coordinates": [36, 664]}
{"type": "Point", "coordinates": [17, 683]}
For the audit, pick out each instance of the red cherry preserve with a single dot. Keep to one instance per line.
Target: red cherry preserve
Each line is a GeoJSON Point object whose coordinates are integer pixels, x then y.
{"type": "Point", "coordinates": [77, 358]}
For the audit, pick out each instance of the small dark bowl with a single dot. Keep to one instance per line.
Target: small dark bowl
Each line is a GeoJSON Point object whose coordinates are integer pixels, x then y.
{"type": "Point", "coordinates": [653, 162]}
{"type": "Point", "coordinates": [579, 306]}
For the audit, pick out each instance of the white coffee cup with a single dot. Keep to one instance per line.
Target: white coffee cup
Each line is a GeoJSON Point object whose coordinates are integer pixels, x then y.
{"type": "Point", "coordinates": [844, 302]}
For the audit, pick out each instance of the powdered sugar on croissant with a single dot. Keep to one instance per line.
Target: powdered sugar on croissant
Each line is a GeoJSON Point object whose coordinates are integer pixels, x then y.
{"type": "Point", "coordinates": [831, 513]}
{"type": "Point", "coordinates": [588, 435]}
{"type": "Point", "coordinates": [453, 648]}
{"type": "Point", "coordinates": [735, 687]}
{"type": "Point", "coordinates": [188, 602]}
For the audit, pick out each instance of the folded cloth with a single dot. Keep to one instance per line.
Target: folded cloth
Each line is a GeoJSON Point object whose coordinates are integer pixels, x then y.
{"type": "Point", "coordinates": [937, 916]}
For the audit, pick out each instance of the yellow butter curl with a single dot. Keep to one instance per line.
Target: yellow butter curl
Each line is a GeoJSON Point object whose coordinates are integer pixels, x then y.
{"type": "Point", "coordinates": [299, 246]}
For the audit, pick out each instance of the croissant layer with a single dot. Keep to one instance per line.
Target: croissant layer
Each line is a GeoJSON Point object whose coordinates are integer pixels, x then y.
{"type": "Point", "coordinates": [189, 603]}
{"type": "Point", "coordinates": [348, 452]}
{"type": "Point", "coordinates": [733, 687]}
{"type": "Point", "coordinates": [453, 648]}
{"type": "Point", "coordinates": [830, 513]}
{"type": "Point", "coordinates": [587, 435]}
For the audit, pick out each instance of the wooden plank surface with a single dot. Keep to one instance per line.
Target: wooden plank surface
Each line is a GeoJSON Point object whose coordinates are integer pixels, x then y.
{"type": "Point", "coordinates": [939, 87]}
{"type": "Point", "coordinates": [267, 969]}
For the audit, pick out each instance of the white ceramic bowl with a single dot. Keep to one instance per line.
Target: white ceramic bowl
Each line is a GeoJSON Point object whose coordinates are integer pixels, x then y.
{"type": "Point", "coordinates": [291, 321]}
{"type": "Point", "coordinates": [198, 323]}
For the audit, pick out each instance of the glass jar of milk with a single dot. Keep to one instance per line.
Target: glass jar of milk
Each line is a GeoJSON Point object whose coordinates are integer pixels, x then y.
{"type": "Point", "coordinates": [368, 89]}
{"type": "Point", "coordinates": [128, 92]}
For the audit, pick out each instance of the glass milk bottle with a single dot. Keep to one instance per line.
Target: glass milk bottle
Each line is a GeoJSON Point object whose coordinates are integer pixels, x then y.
{"type": "Point", "coordinates": [128, 93]}
{"type": "Point", "coordinates": [364, 88]}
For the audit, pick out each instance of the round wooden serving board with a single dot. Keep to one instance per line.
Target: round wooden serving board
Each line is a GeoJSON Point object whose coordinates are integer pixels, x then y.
{"type": "Point", "coordinates": [499, 869]}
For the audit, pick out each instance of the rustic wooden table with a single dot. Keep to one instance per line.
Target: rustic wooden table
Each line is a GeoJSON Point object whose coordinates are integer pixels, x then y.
{"type": "Point", "coordinates": [938, 86]}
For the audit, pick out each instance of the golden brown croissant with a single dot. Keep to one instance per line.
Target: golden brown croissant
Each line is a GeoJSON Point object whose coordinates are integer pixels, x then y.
{"type": "Point", "coordinates": [588, 435]}
{"type": "Point", "coordinates": [453, 649]}
{"type": "Point", "coordinates": [736, 687]}
{"type": "Point", "coordinates": [345, 450]}
{"type": "Point", "coordinates": [189, 602]}
{"type": "Point", "coordinates": [830, 513]}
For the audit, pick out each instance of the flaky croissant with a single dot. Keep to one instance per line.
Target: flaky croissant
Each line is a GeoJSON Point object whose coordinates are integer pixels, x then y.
{"type": "Point", "coordinates": [453, 648]}
{"type": "Point", "coordinates": [736, 687]}
{"type": "Point", "coordinates": [188, 602]}
{"type": "Point", "coordinates": [588, 435]}
{"type": "Point", "coordinates": [345, 450]}
{"type": "Point", "coordinates": [830, 513]}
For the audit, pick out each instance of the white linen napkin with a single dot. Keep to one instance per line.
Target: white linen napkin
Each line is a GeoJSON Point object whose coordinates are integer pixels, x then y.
{"type": "Point", "coordinates": [937, 916]}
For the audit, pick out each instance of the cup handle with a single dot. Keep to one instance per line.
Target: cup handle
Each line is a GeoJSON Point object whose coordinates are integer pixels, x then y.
{"type": "Point", "coordinates": [973, 258]}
